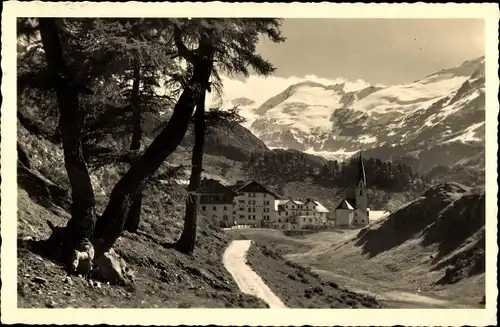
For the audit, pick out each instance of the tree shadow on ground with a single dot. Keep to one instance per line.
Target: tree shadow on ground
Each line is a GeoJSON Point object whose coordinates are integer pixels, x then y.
{"type": "Point", "coordinates": [456, 223]}
{"type": "Point", "coordinates": [400, 226]}
{"type": "Point", "coordinates": [409, 220]}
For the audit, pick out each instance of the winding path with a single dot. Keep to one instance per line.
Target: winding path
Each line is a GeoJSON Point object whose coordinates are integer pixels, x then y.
{"type": "Point", "coordinates": [249, 282]}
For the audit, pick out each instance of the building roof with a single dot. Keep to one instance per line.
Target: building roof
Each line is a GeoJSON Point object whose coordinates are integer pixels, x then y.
{"type": "Point", "coordinates": [214, 192]}
{"type": "Point", "coordinates": [351, 200]}
{"type": "Point", "coordinates": [278, 204]}
{"type": "Point", "coordinates": [320, 207]}
{"type": "Point", "coordinates": [344, 204]}
{"type": "Point", "coordinates": [253, 186]}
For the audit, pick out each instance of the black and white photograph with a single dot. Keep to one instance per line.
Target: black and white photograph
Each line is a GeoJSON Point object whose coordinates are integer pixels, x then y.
{"type": "Point", "coordinates": [249, 161]}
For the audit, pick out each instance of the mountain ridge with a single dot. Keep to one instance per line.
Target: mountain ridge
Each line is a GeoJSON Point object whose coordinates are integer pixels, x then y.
{"type": "Point", "coordinates": [415, 123]}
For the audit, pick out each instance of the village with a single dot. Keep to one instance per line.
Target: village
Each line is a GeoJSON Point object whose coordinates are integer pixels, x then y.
{"type": "Point", "coordinates": [252, 204]}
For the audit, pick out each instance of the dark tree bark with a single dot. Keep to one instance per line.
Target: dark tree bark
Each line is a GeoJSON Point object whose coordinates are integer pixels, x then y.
{"type": "Point", "coordinates": [134, 215]}
{"type": "Point", "coordinates": [135, 144]}
{"type": "Point", "coordinates": [111, 223]}
{"type": "Point", "coordinates": [187, 241]}
{"type": "Point", "coordinates": [22, 156]}
{"type": "Point", "coordinates": [83, 217]}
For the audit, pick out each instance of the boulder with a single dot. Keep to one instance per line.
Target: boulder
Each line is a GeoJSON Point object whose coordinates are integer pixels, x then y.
{"type": "Point", "coordinates": [110, 267]}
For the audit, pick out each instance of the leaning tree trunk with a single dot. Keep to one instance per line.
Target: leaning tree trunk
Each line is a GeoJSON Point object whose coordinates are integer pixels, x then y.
{"type": "Point", "coordinates": [71, 120]}
{"type": "Point", "coordinates": [111, 223]}
{"type": "Point", "coordinates": [134, 214]}
{"type": "Point", "coordinates": [186, 242]}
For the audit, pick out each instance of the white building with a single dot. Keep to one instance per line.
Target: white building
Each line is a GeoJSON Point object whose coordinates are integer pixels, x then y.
{"type": "Point", "coordinates": [344, 214]}
{"type": "Point", "coordinates": [251, 203]}
{"type": "Point", "coordinates": [216, 202]}
{"type": "Point", "coordinates": [297, 214]}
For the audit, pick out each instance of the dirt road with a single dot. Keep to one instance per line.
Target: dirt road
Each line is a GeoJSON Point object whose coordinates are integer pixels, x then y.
{"type": "Point", "coordinates": [249, 282]}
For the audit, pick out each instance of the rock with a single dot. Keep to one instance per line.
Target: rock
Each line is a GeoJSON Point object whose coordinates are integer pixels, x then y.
{"type": "Point", "coordinates": [68, 280]}
{"type": "Point", "coordinates": [51, 304]}
{"type": "Point", "coordinates": [39, 280]}
{"type": "Point", "coordinates": [110, 267]}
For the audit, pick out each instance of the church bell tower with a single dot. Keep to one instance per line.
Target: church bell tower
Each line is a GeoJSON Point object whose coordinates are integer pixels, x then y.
{"type": "Point", "coordinates": [360, 189]}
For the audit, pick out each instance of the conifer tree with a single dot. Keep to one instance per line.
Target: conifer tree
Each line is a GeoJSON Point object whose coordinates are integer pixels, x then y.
{"type": "Point", "coordinates": [208, 46]}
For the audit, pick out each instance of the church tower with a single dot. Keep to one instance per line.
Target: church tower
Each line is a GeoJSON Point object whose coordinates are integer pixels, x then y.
{"type": "Point", "coordinates": [360, 192]}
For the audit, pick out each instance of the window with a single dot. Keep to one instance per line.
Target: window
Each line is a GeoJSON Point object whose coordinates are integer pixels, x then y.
{"type": "Point", "coordinates": [225, 208]}
{"type": "Point", "coordinates": [242, 216]}
{"type": "Point", "coordinates": [225, 217]}
{"type": "Point", "coordinates": [215, 208]}
{"type": "Point", "coordinates": [310, 220]}
{"type": "Point", "coordinates": [286, 213]}
{"type": "Point", "coordinates": [203, 208]}
{"type": "Point", "coordinates": [279, 213]}
{"type": "Point", "coordinates": [361, 192]}
{"type": "Point", "coordinates": [279, 220]}
{"type": "Point", "coordinates": [265, 194]}
{"type": "Point", "coordinates": [266, 202]}
{"type": "Point", "coordinates": [241, 201]}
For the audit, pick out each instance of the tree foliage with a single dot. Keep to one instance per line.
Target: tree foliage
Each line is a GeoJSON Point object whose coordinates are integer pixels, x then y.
{"type": "Point", "coordinates": [283, 166]}
{"type": "Point", "coordinates": [101, 71]}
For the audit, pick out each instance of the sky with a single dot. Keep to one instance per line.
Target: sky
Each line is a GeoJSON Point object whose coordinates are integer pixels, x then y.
{"type": "Point", "coordinates": [362, 51]}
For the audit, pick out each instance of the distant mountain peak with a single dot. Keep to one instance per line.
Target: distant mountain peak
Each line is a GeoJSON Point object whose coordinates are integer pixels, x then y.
{"type": "Point", "coordinates": [436, 119]}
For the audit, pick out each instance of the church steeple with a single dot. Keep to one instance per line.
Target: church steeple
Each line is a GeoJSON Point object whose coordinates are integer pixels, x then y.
{"type": "Point", "coordinates": [361, 175]}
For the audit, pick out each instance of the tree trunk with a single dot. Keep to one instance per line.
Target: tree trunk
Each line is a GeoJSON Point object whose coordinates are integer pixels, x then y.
{"type": "Point", "coordinates": [135, 144]}
{"type": "Point", "coordinates": [186, 242]}
{"type": "Point", "coordinates": [83, 218]}
{"type": "Point", "coordinates": [111, 223]}
{"type": "Point", "coordinates": [134, 215]}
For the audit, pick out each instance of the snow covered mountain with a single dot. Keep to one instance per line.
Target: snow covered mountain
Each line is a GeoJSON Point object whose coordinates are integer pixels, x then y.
{"type": "Point", "coordinates": [436, 121]}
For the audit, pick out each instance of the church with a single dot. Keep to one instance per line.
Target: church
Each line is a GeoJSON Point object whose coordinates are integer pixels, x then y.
{"type": "Point", "coordinates": [353, 209]}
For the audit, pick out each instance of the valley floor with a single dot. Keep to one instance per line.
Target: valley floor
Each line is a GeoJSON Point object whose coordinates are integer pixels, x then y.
{"type": "Point", "coordinates": [402, 280]}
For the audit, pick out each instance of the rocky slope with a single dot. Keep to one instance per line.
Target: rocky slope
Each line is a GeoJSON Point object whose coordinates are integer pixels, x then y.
{"type": "Point", "coordinates": [435, 121]}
